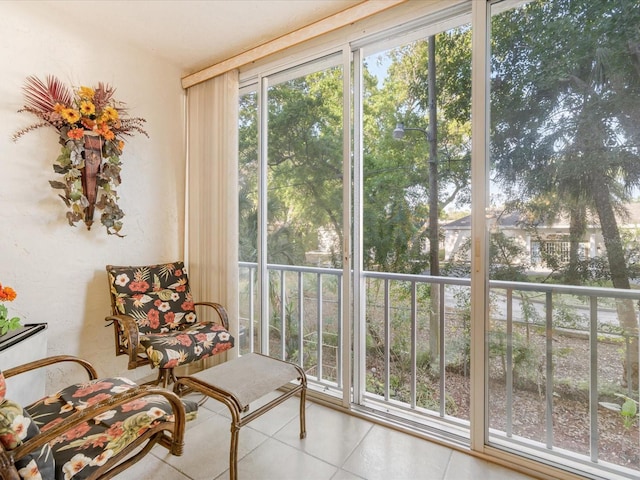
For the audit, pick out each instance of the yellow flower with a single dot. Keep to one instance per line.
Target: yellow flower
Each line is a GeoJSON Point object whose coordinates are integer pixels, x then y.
{"type": "Point", "coordinates": [86, 93]}
{"type": "Point", "coordinates": [70, 115]}
{"type": "Point", "coordinates": [58, 107]}
{"type": "Point", "coordinates": [87, 108]}
{"type": "Point", "coordinates": [111, 112]}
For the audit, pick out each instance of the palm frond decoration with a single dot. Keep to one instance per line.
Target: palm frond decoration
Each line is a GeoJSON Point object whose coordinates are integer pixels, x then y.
{"type": "Point", "coordinates": [42, 97]}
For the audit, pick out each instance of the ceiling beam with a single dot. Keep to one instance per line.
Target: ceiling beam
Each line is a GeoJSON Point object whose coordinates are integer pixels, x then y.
{"type": "Point", "coordinates": [321, 27]}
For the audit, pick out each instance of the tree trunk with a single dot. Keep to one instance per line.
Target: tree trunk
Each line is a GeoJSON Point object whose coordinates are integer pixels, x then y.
{"type": "Point", "coordinates": [577, 229]}
{"type": "Point", "coordinates": [619, 278]}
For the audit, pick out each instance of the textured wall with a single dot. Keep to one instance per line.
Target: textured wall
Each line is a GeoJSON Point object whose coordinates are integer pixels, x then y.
{"type": "Point", "coordinates": [57, 270]}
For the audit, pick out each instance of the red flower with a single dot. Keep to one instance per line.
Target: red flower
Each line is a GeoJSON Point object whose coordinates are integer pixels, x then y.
{"type": "Point", "coordinates": [157, 303]}
{"type": "Point", "coordinates": [140, 286]}
{"type": "Point", "coordinates": [201, 337]}
{"type": "Point", "coordinates": [178, 273]}
{"type": "Point", "coordinates": [169, 317]}
{"type": "Point", "coordinates": [171, 363]}
{"type": "Point", "coordinates": [187, 306]}
{"type": "Point", "coordinates": [99, 442]}
{"type": "Point", "coordinates": [154, 318]}
{"type": "Point", "coordinates": [98, 398]}
{"type": "Point", "coordinates": [138, 404]}
{"type": "Point", "coordinates": [92, 388]}
{"type": "Point", "coordinates": [77, 432]}
{"type": "Point", "coordinates": [221, 347]}
{"type": "Point", "coordinates": [181, 288]}
{"type": "Point", "coordinates": [184, 340]}
{"type": "Point", "coordinates": [51, 424]}
{"type": "Point", "coordinates": [115, 430]}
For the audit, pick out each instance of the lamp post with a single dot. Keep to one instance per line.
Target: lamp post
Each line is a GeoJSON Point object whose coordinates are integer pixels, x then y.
{"type": "Point", "coordinates": [434, 243]}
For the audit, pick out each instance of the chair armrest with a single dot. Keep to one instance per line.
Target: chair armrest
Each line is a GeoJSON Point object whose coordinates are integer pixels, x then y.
{"type": "Point", "coordinates": [175, 444]}
{"type": "Point", "coordinates": [44, 362]}
{"type": "Point", "coordinates": [129, 327]}
{"type": "Point", "coordinates": [220, 310]}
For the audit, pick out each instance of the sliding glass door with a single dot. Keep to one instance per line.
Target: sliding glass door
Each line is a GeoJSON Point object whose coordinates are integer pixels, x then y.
{"type": "Point", "coordinates": [471, 277]}
{"type": "Point", "coordinates": [563, 333]}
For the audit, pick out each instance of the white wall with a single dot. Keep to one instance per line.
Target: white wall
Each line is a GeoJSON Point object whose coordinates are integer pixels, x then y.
{"type": "Point", "coordinates": [59, 271]}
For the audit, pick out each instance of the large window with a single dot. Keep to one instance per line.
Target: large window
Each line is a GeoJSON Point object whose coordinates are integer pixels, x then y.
{"type": "Point", "coordinates": [563, 354]}
{"type": "Point", "coordinates": [499, 314]}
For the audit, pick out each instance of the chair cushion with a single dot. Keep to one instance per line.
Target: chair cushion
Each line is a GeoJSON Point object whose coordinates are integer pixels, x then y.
{"type": "Point", "coordinates": [80, 451]}
{"type": "Point", "coordinates": [193, 343]}
{"type": "Point", "coordinates": [16, 427]}
{"type": "Point", "coordinates": [158, 297]}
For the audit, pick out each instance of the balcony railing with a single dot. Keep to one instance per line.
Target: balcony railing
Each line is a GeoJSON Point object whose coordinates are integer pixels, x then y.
{"type": "Point", "coordinates": [556, 363]}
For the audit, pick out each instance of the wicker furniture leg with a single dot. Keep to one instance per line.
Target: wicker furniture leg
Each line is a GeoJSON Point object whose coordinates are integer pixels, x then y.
{"type": "Point", "coordinates": [241, 381]}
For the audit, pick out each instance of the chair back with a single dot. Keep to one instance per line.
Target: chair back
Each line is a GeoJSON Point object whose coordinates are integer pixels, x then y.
{"type": "Point", "coordinates": [157, 297]}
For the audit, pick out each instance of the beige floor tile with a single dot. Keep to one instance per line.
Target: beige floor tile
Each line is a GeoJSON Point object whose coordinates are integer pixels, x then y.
{"type": "Point", "coordinates": [462, 465]}
{"type": "Point", "coordinates": [151, 467]}
{"type": "Point", "coordinates": [331, 436]}
{"type": "Point", "coordinates": [386, 454]}
{"type": "Point", "coordinates": [344, 475]}
{"type": "Point", "coordinates": [206, 453]}
{"type": "Point", "coordinates": [273, 460]}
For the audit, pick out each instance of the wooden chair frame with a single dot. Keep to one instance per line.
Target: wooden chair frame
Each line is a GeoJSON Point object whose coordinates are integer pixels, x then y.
{"type": "Point", "coordinates": [168, 434]}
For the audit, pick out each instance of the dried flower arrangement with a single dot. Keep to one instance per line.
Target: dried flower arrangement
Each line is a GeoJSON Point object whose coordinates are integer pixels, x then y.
{"type": "Point", "coordinates": [91, 126]}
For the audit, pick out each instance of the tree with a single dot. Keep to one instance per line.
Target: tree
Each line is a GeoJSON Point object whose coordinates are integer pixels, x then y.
{"type": "Point", "coordinates": [566, 111]}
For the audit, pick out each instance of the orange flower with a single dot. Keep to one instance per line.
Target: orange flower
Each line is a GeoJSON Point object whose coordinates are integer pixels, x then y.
{"type": "Point", "coordinates": [7, 294]}
{"type": "Point", "coordinates": [75, 134]}
{"type": "Point", "coordinates": [88, 123]}
{"type": "Point", "coordinates": [109, 135]}
{"type": "Point", "coordinates": [121, 145]}
{"type": "Point", "coordinates": [58, 107]}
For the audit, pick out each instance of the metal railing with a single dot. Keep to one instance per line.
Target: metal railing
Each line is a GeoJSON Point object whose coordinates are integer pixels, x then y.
{"type": "Point", "coordinates": [418, 338]}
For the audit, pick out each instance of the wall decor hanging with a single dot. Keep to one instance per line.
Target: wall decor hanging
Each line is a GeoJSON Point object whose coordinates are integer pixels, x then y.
{"type": "Point", "coordinates": [91, 125]}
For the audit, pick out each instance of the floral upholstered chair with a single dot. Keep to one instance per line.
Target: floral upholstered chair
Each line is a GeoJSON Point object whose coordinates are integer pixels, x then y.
{"type": "Point", "coordinates": [89, 430]}
{"type": "Point", "coordinates": [155, 320]}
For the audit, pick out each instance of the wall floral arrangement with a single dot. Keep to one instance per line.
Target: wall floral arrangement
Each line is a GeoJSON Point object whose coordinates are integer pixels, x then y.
{"type": "Point", "coordinates": [92, 126]}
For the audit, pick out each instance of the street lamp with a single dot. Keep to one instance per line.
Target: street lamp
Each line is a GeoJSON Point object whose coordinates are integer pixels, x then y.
{"type": "Point", "coordinates": [434, 241]}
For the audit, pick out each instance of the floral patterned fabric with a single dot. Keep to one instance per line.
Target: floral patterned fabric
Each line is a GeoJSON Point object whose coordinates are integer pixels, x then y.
{"type": "Point", "coordinates": [158, 298]}
{"type": "Point", "coordinates": [16, 427]}
{"type": "Point", "coordinates": [81, 450]}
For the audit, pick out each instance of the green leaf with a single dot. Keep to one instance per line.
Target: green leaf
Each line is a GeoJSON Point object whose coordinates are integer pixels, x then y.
{"type": "Point", "coordinates": [60, 185]}
{"type": "Point", "coordinates": [629, 408]}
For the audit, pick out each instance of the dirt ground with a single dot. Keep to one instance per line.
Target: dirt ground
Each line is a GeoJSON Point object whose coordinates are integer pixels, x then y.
{"type": "Point", "coordinates": [616, 444]}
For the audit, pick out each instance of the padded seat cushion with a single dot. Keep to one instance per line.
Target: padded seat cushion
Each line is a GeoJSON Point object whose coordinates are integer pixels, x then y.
{"type": "Point", "coordinates": [80, 451]}
{"type": "Point", "coordinates": [192, 343]}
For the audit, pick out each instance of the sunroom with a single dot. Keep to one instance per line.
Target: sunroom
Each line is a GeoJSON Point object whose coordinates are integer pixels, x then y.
{"type": "Point", "coordinates": [320, 170]}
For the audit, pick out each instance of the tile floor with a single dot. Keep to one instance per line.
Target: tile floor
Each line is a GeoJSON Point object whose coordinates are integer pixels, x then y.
{"type": "Point", "coordinates": [337, 447]}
